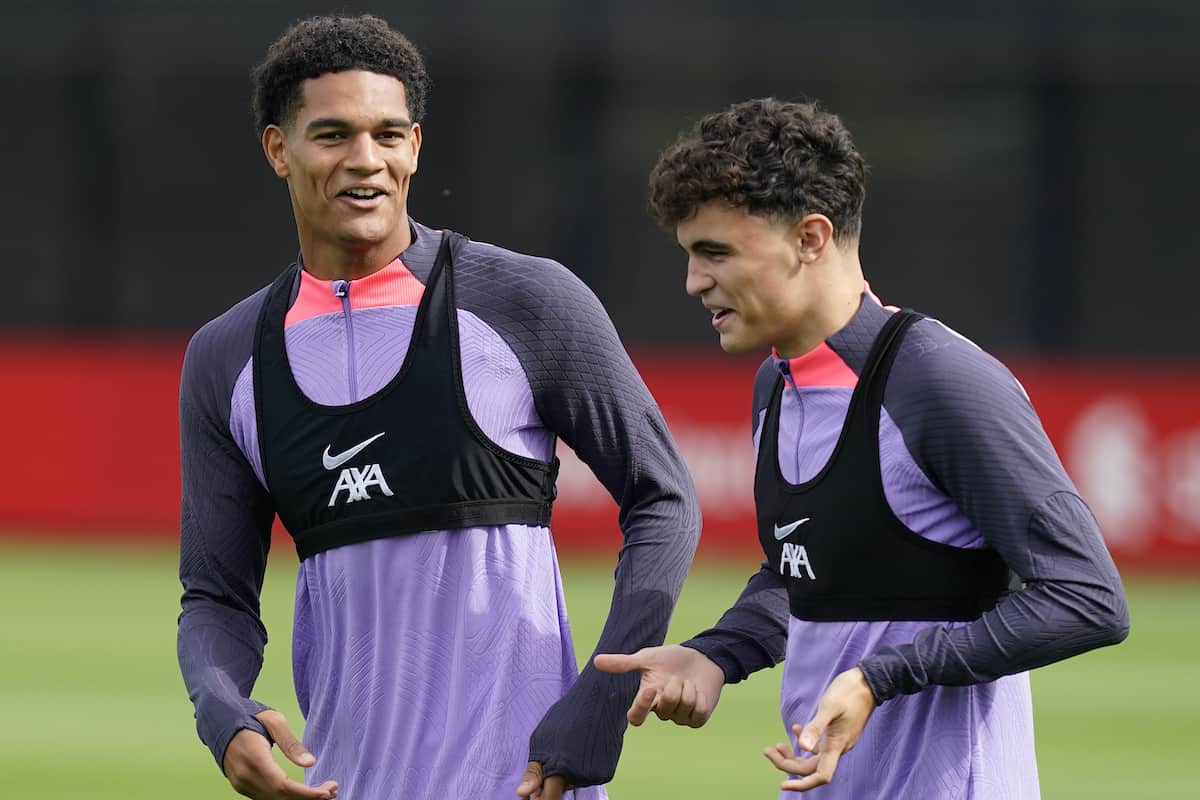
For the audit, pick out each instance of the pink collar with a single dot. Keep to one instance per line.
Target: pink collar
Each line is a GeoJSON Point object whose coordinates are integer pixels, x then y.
{"type": "Point", "coordinates": [394, 285]}
{"type": "Point", "coordinates": [821, 366]}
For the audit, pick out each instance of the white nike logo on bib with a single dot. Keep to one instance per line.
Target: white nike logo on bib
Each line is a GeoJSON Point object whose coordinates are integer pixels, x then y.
{"type": "Point", "coordinates": [786, 530]}
{"type": "Point", "coordinates": [333, 462]}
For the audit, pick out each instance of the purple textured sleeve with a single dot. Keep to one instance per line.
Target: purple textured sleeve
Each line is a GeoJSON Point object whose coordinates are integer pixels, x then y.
{"type": "Point", "coordinates": [589, 394]}
{"type": "Point", "coordinates": [970, 426]}
{"type": "Point", "coordinates": [225, 525]}
{"type": "Point", "coordinates": [752, 634]}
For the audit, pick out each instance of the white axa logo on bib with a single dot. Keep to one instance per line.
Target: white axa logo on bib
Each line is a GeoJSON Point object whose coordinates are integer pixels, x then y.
{"type": "Point", "coordinates": [793, 558]}
{"type": "Point", "coordinates": [357, 481]}
{"type": "Point", "coordinates": [354, 481]}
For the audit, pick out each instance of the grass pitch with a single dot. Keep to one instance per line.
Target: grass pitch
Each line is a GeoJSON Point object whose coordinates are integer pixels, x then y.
{"type": "Point", "coordinates": [93, 707]}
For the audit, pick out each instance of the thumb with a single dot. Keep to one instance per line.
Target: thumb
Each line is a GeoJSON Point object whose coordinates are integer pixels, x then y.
{"type": "Point", "coordinates": [619, 664]}
{"type": "Point", "coordinates": [531, 780]}
{"type": "Point", "coordinates": [289, 745]}
{"type": "Point", "coordinates": [808, 736]}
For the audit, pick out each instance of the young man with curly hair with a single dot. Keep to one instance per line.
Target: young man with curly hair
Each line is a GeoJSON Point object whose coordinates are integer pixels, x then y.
{"type": "Point", "coordinates": [395, 397]}
{"type": "Point", "coordinates": [924, 545]}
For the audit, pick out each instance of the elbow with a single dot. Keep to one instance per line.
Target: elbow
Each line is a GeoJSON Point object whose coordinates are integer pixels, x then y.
{"type": "Point", "coordinates": [1116, 624]}
{"type": "Point", "coordinates": [1110, 620]}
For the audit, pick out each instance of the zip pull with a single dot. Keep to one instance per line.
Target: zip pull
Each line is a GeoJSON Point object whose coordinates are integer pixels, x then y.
{"type": "Point", "coordinates": [341, 288]}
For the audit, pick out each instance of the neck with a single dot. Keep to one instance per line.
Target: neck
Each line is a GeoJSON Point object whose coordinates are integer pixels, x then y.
{"type": "Point", "coordinates": [332, 260]}
{"type": "Point", "coordinates": [835, 293]}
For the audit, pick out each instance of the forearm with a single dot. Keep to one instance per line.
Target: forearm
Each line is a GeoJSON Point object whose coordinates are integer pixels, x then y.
{"type": "Point", "coordinates": [220, 655]}
{"type": "Point", "coordinates": [752, 634]}
{"type": "Point", "coordinates": [224, 539]}
{"type": "Point", "coordinates": [1076, 605]}
{"type": "Point", "coordinates": [581, 735]}
{"type": "Point", "coordinates": [1039, 625]}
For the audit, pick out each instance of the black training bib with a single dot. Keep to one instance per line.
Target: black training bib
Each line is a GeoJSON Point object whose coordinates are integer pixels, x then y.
{"type": "Point", "coordinates": [835, 540]}
{"type": "Point", "coordinates": [407, 459]}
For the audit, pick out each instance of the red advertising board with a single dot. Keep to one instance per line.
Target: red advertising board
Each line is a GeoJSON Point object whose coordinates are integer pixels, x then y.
{"type": "Point", "coordinates": [93, 448]}
{"type": "Point", "coordinates": [95, 426]}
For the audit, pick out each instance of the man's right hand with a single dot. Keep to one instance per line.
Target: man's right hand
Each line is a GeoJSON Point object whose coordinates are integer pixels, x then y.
{"type": "Point", "coordinates": [253, 771]}
{"type": "Point", "coordinates": [678, 683]}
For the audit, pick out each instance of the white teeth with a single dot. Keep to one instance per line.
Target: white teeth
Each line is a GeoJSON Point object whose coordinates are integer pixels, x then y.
{"type": "Point", "coordinates": [363, 194]}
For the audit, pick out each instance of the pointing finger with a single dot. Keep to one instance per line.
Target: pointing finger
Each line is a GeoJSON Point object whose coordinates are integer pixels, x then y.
{"type": "Point", "coordinates": [618, 663]}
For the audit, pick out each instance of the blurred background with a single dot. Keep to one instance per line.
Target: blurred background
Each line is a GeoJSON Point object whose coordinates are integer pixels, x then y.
{"type": "Point", "coordinates": [1033, 174]}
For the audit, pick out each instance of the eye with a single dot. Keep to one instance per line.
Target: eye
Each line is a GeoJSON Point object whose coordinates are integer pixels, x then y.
{"type": "Point", "coordinates": [330, 136]}
{"type": "Point", "coordinates": [392, 136]}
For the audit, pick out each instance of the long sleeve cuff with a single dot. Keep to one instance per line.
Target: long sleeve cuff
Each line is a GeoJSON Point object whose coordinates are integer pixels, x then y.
{"type": "Point", "coordinates": [217, 724]}
{"type": "Point", "coordinates": [883, 686]}
{"type": "Point", "coordinates": [738, 655]}
{"type": "Point", "coordinates": [581, 735]}
{"type": "Point", "coordinates": [723, 656]}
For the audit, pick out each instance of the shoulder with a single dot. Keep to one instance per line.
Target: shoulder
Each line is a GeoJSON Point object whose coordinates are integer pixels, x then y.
{"type": "Point", "coordinates": [938, 367]}
{"type": "Point", "coordinates": [495, 280]}
{"type": "Point", "coordinates": [955, 403]}
{"type": "Point", "coordinates": [558, 330]}
{"type": "Point", "coordinates": [217, 353]}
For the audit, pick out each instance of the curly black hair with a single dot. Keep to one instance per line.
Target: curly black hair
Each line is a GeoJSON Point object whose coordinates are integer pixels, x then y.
{"type": "Point", "coordinates": [320, 45]}
{"type": "Point", "coordinates": [774, 158]}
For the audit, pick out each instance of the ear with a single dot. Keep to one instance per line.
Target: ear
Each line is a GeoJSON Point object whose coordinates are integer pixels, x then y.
{"type": "Point", "coordinates": [812, 236]}
{"type": "Point", "coordinates": [415, 138]}
{"type": "Point", "coordinates": [274, 143]}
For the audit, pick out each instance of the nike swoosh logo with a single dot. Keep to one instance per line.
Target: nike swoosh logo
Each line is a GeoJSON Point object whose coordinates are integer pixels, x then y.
{"type": "Point", "coordinates": [333, 462]}
{"type": "Point", "coordinates": [786, 530]}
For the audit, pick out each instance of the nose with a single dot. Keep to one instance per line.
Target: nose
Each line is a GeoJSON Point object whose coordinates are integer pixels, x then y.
{"type": "Point", "coordinates": [364, 155]}
{"type": "Point", "coordinates": [698, 280]}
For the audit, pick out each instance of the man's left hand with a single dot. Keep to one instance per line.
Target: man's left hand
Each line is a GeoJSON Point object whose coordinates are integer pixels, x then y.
{"type": "Point", "coordinates": [842, 713]}
{"type": "Point", "coordinates": [536, 787]}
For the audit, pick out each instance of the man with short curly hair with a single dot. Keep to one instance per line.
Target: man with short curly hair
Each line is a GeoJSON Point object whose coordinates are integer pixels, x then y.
{"type": "Point", "coordinates": [924, 546]}
{"type": "Point", "coordinates": [395, 397]}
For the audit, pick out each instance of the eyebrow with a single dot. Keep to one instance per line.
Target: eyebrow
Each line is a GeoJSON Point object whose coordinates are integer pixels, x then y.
{"type": "Point", "coordinates": [335, 122]}
{"type": "Point", "coordinates": [709, 245]}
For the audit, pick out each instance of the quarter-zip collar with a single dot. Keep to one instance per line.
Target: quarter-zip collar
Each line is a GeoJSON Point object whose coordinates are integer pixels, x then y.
{"type": "Point", "coordinates": [823, 365]}
{"type": "Point", "coordinates": [394, 285]}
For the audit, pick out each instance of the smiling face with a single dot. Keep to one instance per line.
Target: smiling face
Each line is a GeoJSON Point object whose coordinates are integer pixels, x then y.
{"type": "Point", "coordinates": [746, 269]}
{"type": "Point", "coordinates": [348, 157]}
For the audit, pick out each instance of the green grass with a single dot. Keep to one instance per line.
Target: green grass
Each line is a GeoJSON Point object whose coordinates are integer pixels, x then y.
{"type": "Point", "coordinates": [93, 707]}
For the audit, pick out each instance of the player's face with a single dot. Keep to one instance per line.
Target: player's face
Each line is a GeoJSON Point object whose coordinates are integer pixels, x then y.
{"type": "Point", "coordinates": [743, 268]}
{"type": "Point", "coordinates": [348, 157]}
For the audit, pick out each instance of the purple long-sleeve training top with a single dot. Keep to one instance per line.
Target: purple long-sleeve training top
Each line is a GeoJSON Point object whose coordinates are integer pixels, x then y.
{"type": "Point", "coordinates": [437, 664]}
{"type": "Point", "coordinates": [965, 462]}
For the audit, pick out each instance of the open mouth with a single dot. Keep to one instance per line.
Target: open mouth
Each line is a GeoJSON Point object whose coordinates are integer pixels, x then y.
{"type": "Point", "coordinates": [362, 194]}
{"type": "Point", "coordinates": [719, 314]}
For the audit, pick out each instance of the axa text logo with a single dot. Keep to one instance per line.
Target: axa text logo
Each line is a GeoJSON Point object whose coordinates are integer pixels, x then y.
{"type": "Point", "coordinates": [356, 482]}
{"type": "Point", "coordinates": [793, 558]}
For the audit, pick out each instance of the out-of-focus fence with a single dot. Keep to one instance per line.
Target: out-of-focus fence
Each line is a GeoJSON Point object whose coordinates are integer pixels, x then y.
{"type": "Point", "coordinates": [92, 446]}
